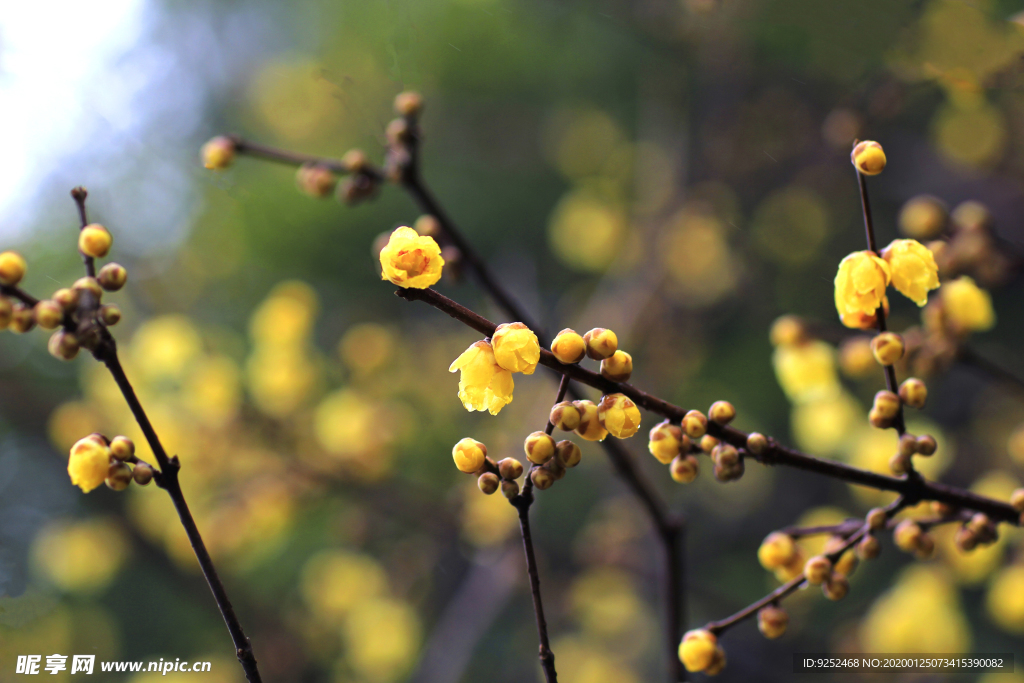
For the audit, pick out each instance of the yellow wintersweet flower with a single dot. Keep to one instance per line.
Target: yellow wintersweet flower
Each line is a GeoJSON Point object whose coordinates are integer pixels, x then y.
{"type": "Point", "coordinates": [913, 267]}
{"type": "Point", "coordinates": [806, 371]}
{"type": "Point", "coordinates": [1006, 599]}
{"type": "Point", "coordinates": [516, 348]}
{"type": "Point", "coordinates": [868, 157]}
{"type": "Point", "coordinates": [619, 415]}
{"type": "Point", "coordinates": [484, 385]}
{"type": "Point", "coordinates": [411, 260]}
{"type": "Point", "coordinates": [89, 462]}
{"type": "Point", "coordinates": [967, 306]}
{"type": "Point", "coordinates": [860, 286]}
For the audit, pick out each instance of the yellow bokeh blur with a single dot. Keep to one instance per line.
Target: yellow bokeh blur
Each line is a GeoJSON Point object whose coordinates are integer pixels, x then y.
{"type": "Point", "coordinates": [587, 231]}
{"type": "Point", "coordinates": [80, 556]}
{"type": "Point", "coordinates": [382, 637]}
{"type": "Point", "coordinates": [695, 253]}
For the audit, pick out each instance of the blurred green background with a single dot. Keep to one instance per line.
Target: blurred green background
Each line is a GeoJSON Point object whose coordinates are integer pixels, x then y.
{"type": "Point", "coordinates": [675, 170]}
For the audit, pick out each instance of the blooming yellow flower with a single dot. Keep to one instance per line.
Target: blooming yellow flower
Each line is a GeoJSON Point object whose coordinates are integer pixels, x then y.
{"type": "Point", "coordinates": [967, 306]}
{"type": "Point", "coordinates": [619, 415]}
{"type": "Point", "coordinates": [484, 385]}
{"type": "Point", "coordinates": [516, 348]}
{"type": "Point", "coordinates": [89, 462]}
{"type": "Point", "coordinates": [860, 286]}
{"type": "Point", "coordinates": [913, 268]}
{"type": "Point", "coordinates": [410, 260]}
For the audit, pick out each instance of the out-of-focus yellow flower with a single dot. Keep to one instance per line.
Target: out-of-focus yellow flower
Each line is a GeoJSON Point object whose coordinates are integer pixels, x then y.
{"type": "Point", "coordinates": [820, 516]}
{"type": "Point", "coordinates": [923, 217]}
{"type": "Point", "coordinates": [69, 421]}
{"type": "Point", "coordinates": [89, 462]}
{"type": "Point", "coordinates": [516, 348]}
{"type": "Point", "coordinates": [967, 306]}
{"type": "Point", "coordinates": [806, 372]}
{"type": "Point", "coordinates": [163, 347]}
{"type": "Point", "coordinates": [486, 520]}
{"type": "Point", "coordinates": [586, 231]}
{"type": "Point", "coordinates": [346, 424]}
{"type": "Point", "coordinates": [80, 556]}
{"type": "Point", "coordinates": [619, 415]}
{"type": "Point", "coordinates": [483, 385]}
{"type": "Point", "coordinates": [1015, 444]}
{"type": "Point", "coordinates": [366, 347]}
{"type": "Point", "coordinates": [913, 268]}
{"type": "Point", "coordinates": [856, 359]}
{"type": "Point", "coordinates": [703, 280]}
{"type": "Point", "coordinates": [823, 425]}
{"type": "Point", "coordinates": [589, 661]}
{"type": "Point", "coordinates": [218, 153]}
{"type": "Point", "coordinates": [383, 636]}
{"type": "Point", "coordinates": [606, 603]}
{"type": "Point", "coordinates": [292, 96]}
{"type": "Point", "coordinates": [790, 225]}
{"type": "Point", "coordinates": [860, 286]}
{"type": "Point", "coordinates": [212, 390]}
{"type": "Point", "coordinates": [974, 135]}
{"type": "Point", "coordinates": [280, 379]}
{"type": "Point", "coordinates": [1005, 600]}
{"type": "Point", "coordinates": [286, 316]}
{"type": "Point", "coordinates": [411, 260]}
{"type": "Point", "coordinates": [921, 613]}
{"type": "Point", "coordinates": [334, 581]}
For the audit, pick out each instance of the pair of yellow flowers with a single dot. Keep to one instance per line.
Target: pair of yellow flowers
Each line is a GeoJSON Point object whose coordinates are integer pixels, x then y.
{"type": "Point", "coordinates": [864, 276]}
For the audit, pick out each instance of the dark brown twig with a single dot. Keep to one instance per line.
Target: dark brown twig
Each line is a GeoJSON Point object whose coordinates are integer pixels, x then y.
{"type": "Point", "coordinates": [913, 489]}
{"type": "Point", "coordinates": [79, 194]}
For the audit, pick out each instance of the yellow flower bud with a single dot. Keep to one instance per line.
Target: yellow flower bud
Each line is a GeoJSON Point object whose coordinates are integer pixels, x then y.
{"type": "Point", "coordinates": [122, 448]}
{"type": "Point", "coordinates": [469, 455]}
{"type": "Point", "coordinates": [708, 443]}
{"type": "Point", "coordinates": [48, 314]}
{"type": "Point", "coordinates": [972, 216]}
{"type": "Point", "coordinates": [695, 424]}
{"type": "Point", "coordinates": [757, 443]}
{"type": "Point", "coordinates": [913, 269]}
{"type": "Point", "coordinates": [846, 563]}
{"type": "Point", "coordinates": [142, 474]}
{"type": "Point", "coordinates": [923, 217]}
{"type": "Point", "coordinates": [409, 260]}
{"type": "Point", "coordinates": [856, 358]}
{"type": "Point", "coordinates": [619, 415]}
{"type": "Point", "coordinates": [483, 385]}
{"type": "Point", "coordinates": [868, 157]}
{"type": "Point", "coordinates": [110, 314]}
{"type": "Point", "coordinates": [787, 330]}
{"type": "Point", "coordinates": [876, 519]}
{"type": "Point", "coordinates": [89, 462]}
{"type": "Point", "coordinates": [684, 469]}
{"type": "Point", "coordinates": [12, 268]}
{"type": "Point", "coordinates": [510, 468]}
{"type": "Point", "coordinates": [63, 345]}
{"type": "Point", "coordinates": [772, 621]}
{"type": "Point", "coordinates": [868, 548]}
{"type": "Point", "coordinates": [618, 367]}
{"type": "Point", "coordinates": [817, 569]}
{"type": "Point", "coordinates": [926, 445]}
{"type": "Point", "coordinates": [913, 392]}
{"type": "Point", "coordinates": [397, 131]}
{"type": "Point", "coordinates": [119, 475]}
{"type": "Point", "coordinates": [792, 569]}
{"type": "Point", "coordinates": [112, 277]}
{"type": "Point", "coordinates": [408, 103]}
{"type": "Point", "coordinates": [355, 160]}
{"type": "Point", "coordinates": [488, 483]}
{"type": "Point", "coordinates": [968, 308]}
{"type": "Point", "coordinates": [860, 287]}
{"type": "Point", "coordinates": [777, 550]}
{"type": "Point", "coordinates": [836, 587]}
{"type": "Point", "coordinates": [590, 427]}
{"type": "Point", "coordinates": [907, 535]}
{"type": "Point", "coordinates": [88, 284]}
{"type": "Point", "coordinates": [565, 416]}
{"type": "Point", "coordinates": [516, 348]}
{"type": "Point", "coordinates": [509, 488]}
{"type": "Point", "coordinates": [539, 447]}
{"type": "Point", "coordinates": [568, 453]}
{"type": "Point", "coordinates": [601, 343]}
{"type": "Point", "coordinates": [697, 649]}
{"type": "Point", "coordinates": [887, 405]}
{"type": "Point", "coordinates": [23, 318]}
{"type": "Point", "coordinates": [315, 180]}
{"type": "Point", "coordinates": [721, 412]}
{"type": "Point", "coordinates": [542, 478]}
{"type": "Point", "coordinates": [888, 347]}
{"type": "Point", "coordinates": [899, 463]}
{"type": "Point", "coordinates": [907, 445]}
{"type": "Point", "coordinates": [568, 347]}
{"type": "Point", "coordinates": [6, 312]}
{"type": "Point", "coordinates": [95, 241]}
{"type": "Point", "coordinates": [666, 442]}
{"type": "Point", "coordinates": [218, 153]}
{"type": "Point", "coordinates": [717, 663]}
{"type": "Point", "coordinates": [67, 298]}
{"type": "Point", "coordinates": [1017, 500]}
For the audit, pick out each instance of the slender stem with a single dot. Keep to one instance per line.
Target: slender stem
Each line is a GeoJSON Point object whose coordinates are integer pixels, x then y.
{"type": "Point", "coordinates": [563, 386]}
{"type": "Point", "coordinates": [869, 229]}
{"type": "Point", "coordinates": [971, 358]}
{"type": "Point", "coordinates": [79, 194]}
{"type": "Point", "coordinates": [19, 294]}
{"type": "Point", "coordinates": [522, 503]}
{"type": "Point", "coordinates": [168, 480]}
{"type": "Point", "coordinates": [913, 489]}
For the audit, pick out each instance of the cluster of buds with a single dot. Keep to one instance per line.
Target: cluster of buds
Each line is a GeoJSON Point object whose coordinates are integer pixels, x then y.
{"type": "Point", "coordinates": [471, 457]}
{"type": "Point", "coordinates": [550, 459]}
{"type": "Point", "coordinates": [76, 314]}
{"type": "Point", "coordinates": [402, 134]}
{"type": "Point", "coordinates": [980, 530]}
{"type": "Point", "coordinates": [910, 537]}
{"type": "Point", "coordinates": [670, 446]}
{"type": "Point", "coordinates": [96, 459]}
{"type": "Point", "coordinates": [780, 554]}
{"type": "Point", "coordinates": [820, 571]}
{"type": "Point", "coordinates": [909, 446]}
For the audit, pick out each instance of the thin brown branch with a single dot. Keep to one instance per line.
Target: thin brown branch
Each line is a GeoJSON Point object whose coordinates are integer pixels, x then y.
{"type": "Point", "coordinates": [79, 194]}
{"type": "Point", "coordinates": [913, 489]}
{"type": "Point", "coordinates": [19, 294]}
